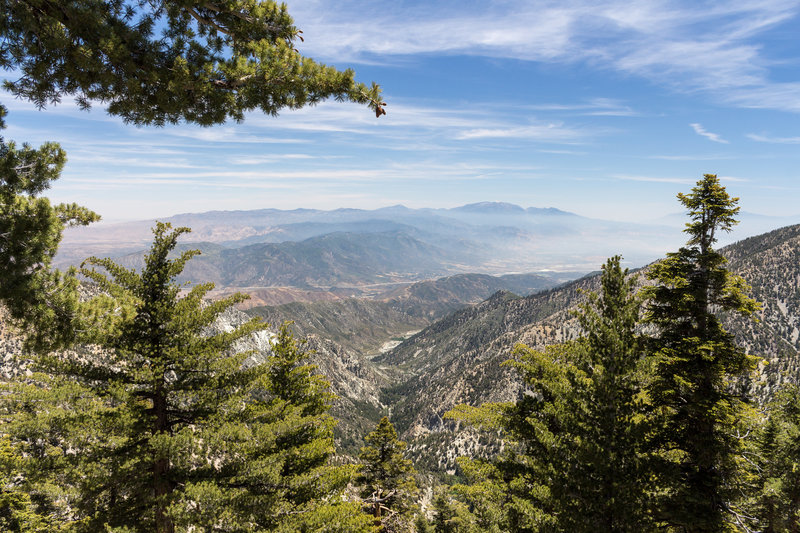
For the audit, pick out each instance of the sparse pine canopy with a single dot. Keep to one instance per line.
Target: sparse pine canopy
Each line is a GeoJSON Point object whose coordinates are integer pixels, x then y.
{"type": "Point", "coordinates": [169, 427]}
{"type": "Point", "coordinates": [388, 487]}
{"type": "Point", "coordinates": [30, 230]}
{"type": "Point", "coordinates": [165, 62]}
{"type": "Point", "coordinates": [695, 360]}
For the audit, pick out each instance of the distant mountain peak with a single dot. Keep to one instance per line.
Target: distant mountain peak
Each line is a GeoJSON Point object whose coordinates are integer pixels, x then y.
{"type": "Point", "coordinates": [549, 211]}
{"type": "Point", "coordinates": [505, 208]}
{"type": "Point", "coordinates": [490, 207]}
{"type": "Point", "coordinates": [396, 207]}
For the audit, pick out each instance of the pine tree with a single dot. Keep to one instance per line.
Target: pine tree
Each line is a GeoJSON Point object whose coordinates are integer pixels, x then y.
{"type": "Point", "coordinates": [30, 230]}
{"type": "Point", "coordinates": [388, 485]}
{"type": "Point", "coordinates": [695, 360]}
{"type": "Point", "coordinates": [574, 459]}
{"type": "Point", "coordinates": [166, 62]}
{"type": "Point", "coordinates": [777, 504]}
{"type": "Point", "coordinates": [168, 428]}
{"type": "Point", "coordinates": [611, 478]}
{"type": "Point", "coordinates": [421, 524]}
{"type": "Point", "coordinates": [149, 63]}
{"type": "Point", "coordinates": [449, 516]}
{"type": "Point", "coordinates": [484, 494]}
{"type": "Point", "coordinates": [18, 513]}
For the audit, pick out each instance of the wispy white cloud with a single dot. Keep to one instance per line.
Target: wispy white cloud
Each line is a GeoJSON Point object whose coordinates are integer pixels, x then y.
{"type": "Point", "coordinates": [774, 140]}
{"type": "Point", "coordinates": [557, 133]}
{"type": "Point", "coordinates": [116, 161]}
{"type": "Point", "coordinates": [667, 179]}
{"type": "Point", "coordinates": [409, 123]}
{"type": "Point", "coordinates": [228, 135]}
{"type": "Point", "coordinates": [784, 96]}
{"type": "Point", "coordinates": [700, 130]}
{"type": "Point", "coordinates": [594, 107]}
{"type": "Point", "coordinates": [562, 152]}
{"type": "Point", "coordinates": [300, 178]}
{"type": "Point", "coordinates": [266, 159]}
{"type": "Point", "coordinates": [712, 47]}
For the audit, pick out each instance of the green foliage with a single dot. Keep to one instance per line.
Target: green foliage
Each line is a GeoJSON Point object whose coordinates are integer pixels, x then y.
{"type": "Point", "coordinates": [150, 63]}
{"type": "Point", "coordinates": [610, 478]}
{"type": "Point", "coordinates": [18, 512]}
{"type": "Point", "coordinates": [574, 459]}
{"type": "Point", "coordinates": [450, 516]}
{"type": "Point", "coordinates": [386, 478]}
{"type": "Point", "coordinates": [30, 230]}
{"type": "Point", "coordinates": [777, 502]}
{"type": "Point", "coordinates": [694, 362]}
{"type": "Point", "coordinates": [421, 524]}
{"type": "Point", "coordinates": [485, 495]}
{"type": "Point", "coordinates": [164, 62]}
{"type": "Point", "coordinates": [170, 427]}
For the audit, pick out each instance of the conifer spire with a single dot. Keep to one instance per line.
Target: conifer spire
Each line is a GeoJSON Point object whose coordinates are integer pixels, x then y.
{"type": "Point", "coordinates": [695, 360]}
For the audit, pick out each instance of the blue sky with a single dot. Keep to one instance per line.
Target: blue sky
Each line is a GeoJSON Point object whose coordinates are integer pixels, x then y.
{"type": "Point", "coordinates": [606, 109]}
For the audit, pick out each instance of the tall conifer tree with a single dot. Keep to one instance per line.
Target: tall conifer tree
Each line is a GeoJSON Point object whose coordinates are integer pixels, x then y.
{"type": "Point", "coordinates": [168, 428]}
{"type": "Point", "coordinates": [30, 230]}
{"type": "Point", "coordinates": [574, 460]}
{"type": "Point", "coordinates": [695, 360]}
{"type": "Point", "coordinates": [610, 480]}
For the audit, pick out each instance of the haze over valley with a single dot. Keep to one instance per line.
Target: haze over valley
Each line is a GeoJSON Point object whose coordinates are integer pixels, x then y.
{"type": "Point", "coordinates": [305, 254]}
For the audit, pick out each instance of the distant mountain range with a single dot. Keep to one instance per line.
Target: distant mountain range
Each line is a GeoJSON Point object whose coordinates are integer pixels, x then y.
{"type": "Point", "coordinates": [312, 248]}
{"type": "Point", "coordinates": [330, 260]}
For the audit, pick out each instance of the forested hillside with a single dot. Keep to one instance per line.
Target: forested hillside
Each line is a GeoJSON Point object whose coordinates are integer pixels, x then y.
{"type": "Point", "coordinates": [458, 359]}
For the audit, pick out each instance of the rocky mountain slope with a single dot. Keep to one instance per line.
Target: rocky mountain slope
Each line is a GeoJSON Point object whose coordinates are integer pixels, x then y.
{"type": "Point", "coordinates": [372, 326]}
{"type": "Point", "coordinates": [363, 326]}
{"type": "Point", "coordinates": [458, 359]}
{"type": "Point", "coordinates": [771, 264]}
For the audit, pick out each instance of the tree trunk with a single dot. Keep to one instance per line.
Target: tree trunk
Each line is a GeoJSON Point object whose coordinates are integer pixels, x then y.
{"type": "Point", "coordinates": [161, 483]}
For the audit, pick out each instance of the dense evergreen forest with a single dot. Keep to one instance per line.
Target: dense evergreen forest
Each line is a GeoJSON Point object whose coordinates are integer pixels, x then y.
{"type": "Point", "coordinates": [137, 417]}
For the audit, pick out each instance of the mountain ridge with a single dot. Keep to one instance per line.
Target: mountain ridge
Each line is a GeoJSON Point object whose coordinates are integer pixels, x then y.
{"type": "Point", "coordinates": [488, 237]}
{"type": "Point", "coordinates": [457, 359]}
